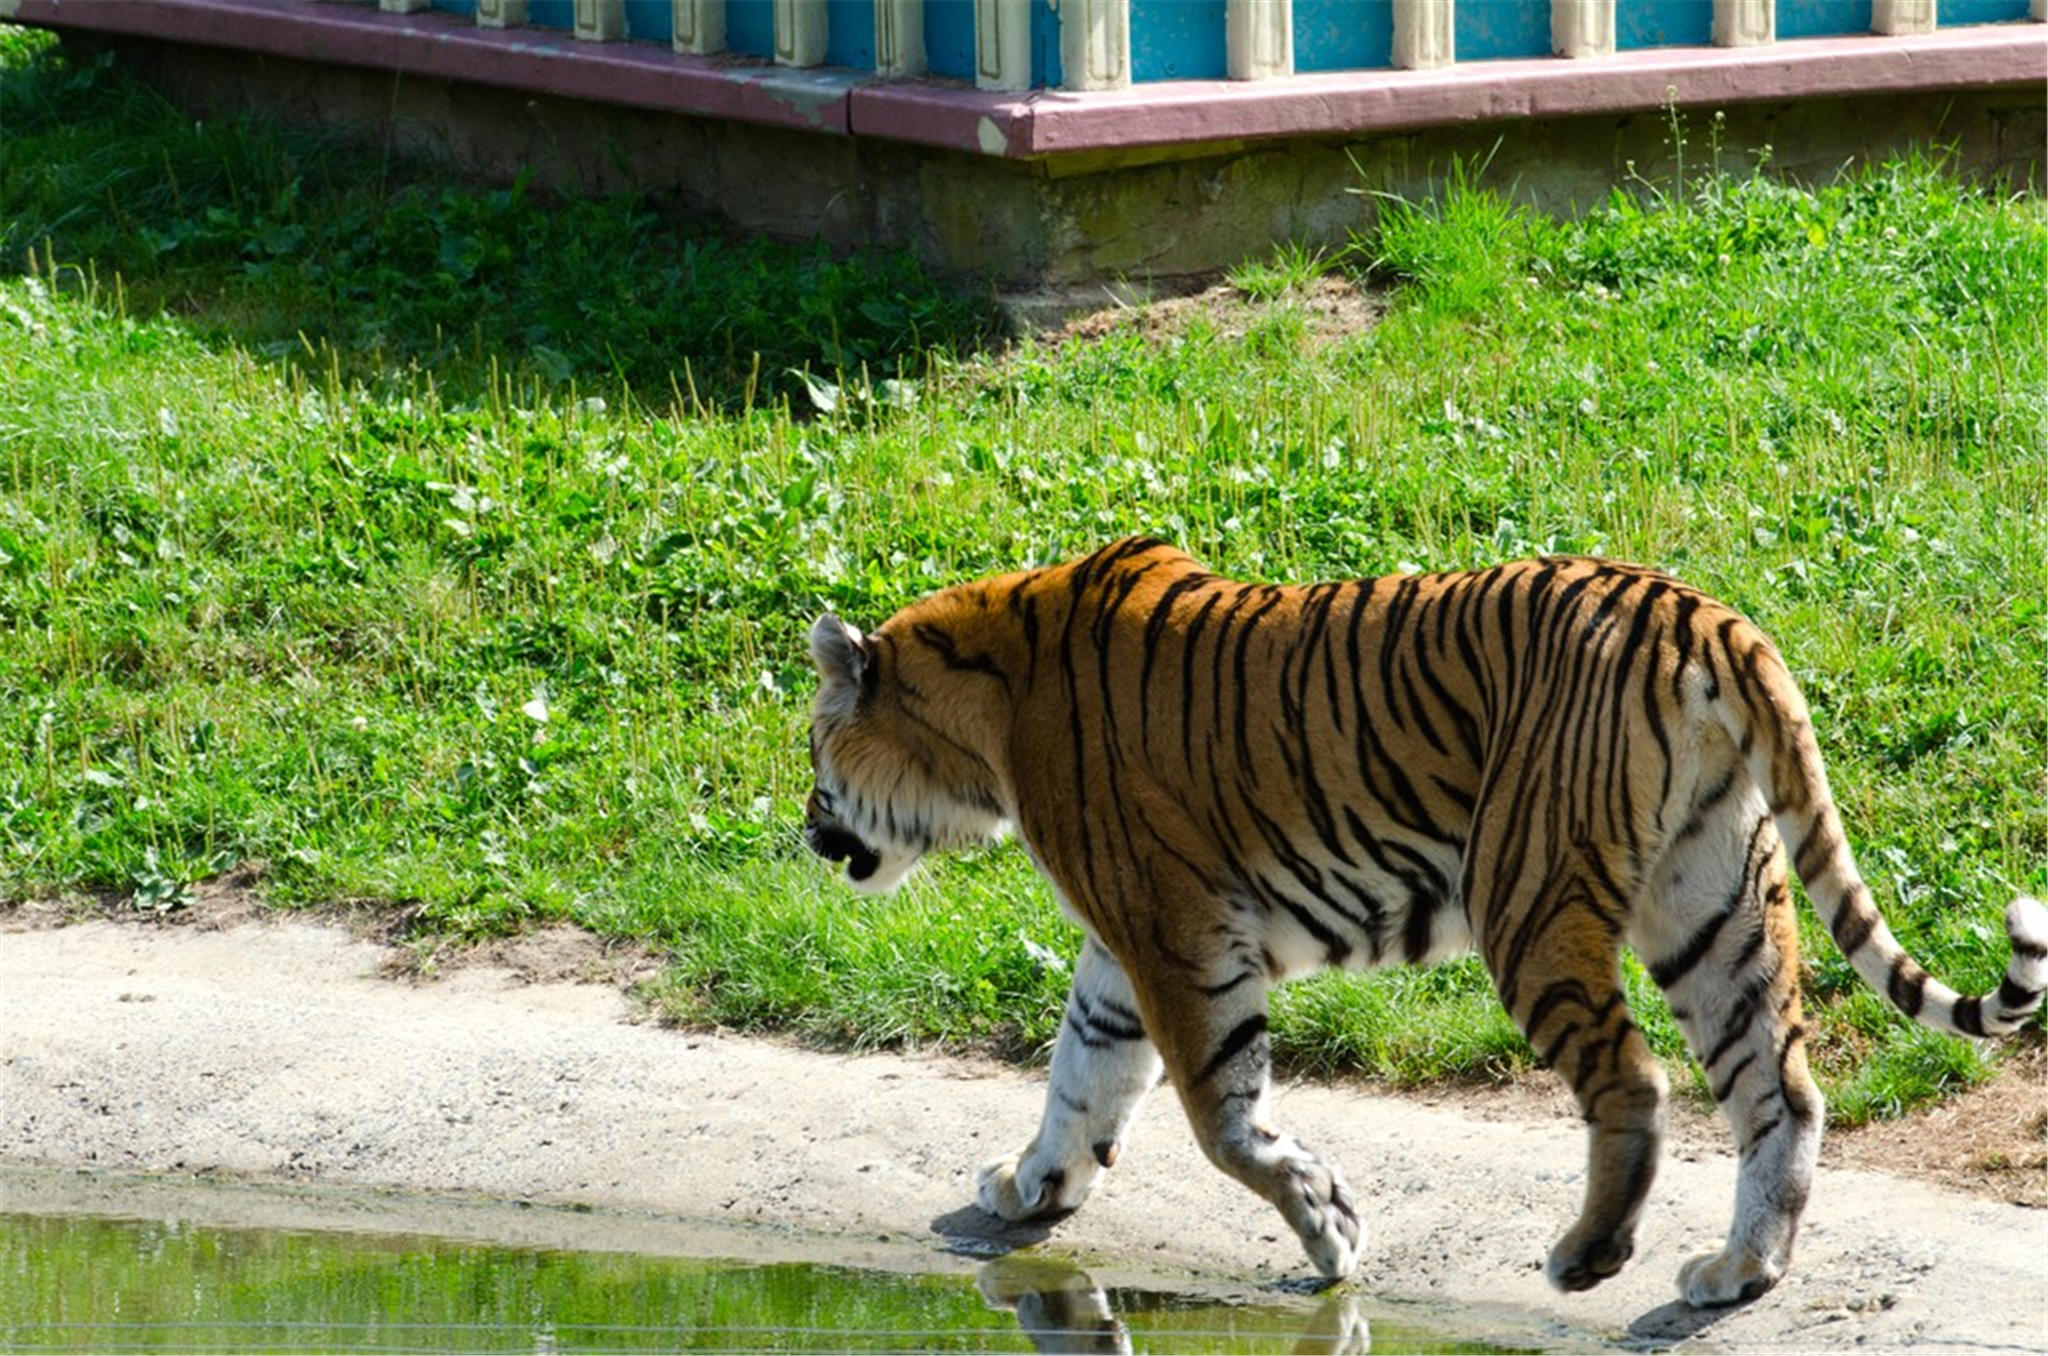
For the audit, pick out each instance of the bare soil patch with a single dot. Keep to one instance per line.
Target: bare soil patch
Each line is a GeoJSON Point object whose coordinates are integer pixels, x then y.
{"type": "Point", "coordinates": [1331, 308]}
{"type": "Point", "coordinates": [549, 953]}
{"type": "Point", "coordinates": [553, 953]}
{"type": "Point", "coordinates": [1990, 1141]}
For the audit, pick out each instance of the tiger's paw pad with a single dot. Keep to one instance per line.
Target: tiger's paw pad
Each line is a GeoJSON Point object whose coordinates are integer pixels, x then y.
{"type": "Point", "coordinates": [1009, 1190]}
{"type": "Point", "coordinates": [1715, 1279]}
{"type": "Point", "coordinates": [1581, 1264]}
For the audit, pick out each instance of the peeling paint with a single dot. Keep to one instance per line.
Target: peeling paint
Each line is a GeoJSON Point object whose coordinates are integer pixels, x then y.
{"type": "Point", "coordinates": [989, 136]}
{"type": "Point", "coordinates": [810, 96]}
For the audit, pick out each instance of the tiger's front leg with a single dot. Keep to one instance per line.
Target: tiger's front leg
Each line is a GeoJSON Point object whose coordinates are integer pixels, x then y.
{"type": "Point", "coordinates": [1103, 1064]}
{"type": "Point", "coordinates": [1218, 1058]}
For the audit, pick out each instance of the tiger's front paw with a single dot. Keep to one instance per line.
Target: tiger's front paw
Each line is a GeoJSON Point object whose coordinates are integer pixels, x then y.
{"type": "Point", "coordinates": [1732, 1276]}
{"type": "Point", "coordinates": [1020, 1187]}
{"type": "Point", "coordinates": [1324, 1215]}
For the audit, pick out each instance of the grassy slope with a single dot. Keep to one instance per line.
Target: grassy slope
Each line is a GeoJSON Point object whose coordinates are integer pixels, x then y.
{"type": "Point", "coordinates": [453, 548]}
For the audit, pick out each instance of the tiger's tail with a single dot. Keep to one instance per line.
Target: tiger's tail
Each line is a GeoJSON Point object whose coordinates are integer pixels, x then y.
{"type": "Point", "coordinates": [1769, 721]}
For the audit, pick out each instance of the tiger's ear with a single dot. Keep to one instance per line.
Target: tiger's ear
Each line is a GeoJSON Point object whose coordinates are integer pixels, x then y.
{"type": "Point", "coordinates": [840, 652]}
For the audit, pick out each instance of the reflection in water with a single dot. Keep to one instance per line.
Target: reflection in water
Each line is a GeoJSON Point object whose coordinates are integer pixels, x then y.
{"type": "Point", "coordinates": [147, 1276]}
{"type": "Point", "coordinates": [1062, 1309]}
{"type": "Point", "coordinates": [1057, 1304]}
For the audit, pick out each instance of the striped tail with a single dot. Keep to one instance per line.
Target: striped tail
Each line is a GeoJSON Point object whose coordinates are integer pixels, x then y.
{"type": "Point", "coordinates": [1785, 760]}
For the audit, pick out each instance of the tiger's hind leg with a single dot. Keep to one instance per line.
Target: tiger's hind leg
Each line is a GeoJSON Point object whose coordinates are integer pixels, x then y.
{"type": "Point", "coordinates": [1557, 966]}
{"type": "Point", "coordinates": [1103, 1064]}
{"type": "Point", "coordinates": [1720, 939]}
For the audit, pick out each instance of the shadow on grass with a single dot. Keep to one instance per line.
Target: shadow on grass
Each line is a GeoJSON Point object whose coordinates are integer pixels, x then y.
{"type": "Point", "coordinates": [316, 247]}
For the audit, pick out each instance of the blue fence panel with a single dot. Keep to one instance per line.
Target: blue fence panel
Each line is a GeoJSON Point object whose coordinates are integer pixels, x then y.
{"type": "Point", "coordinates": [850, 34]}
{"type": "Point", "coordinates": [1045, 47]}
{"type": "Point", "coordinates": [1979, 11]}
{"type": "Point", "coordinates": [1664, 23]}
{"type": "Point", "coordinates": [1178, 40]}
{"type": "Point", "coordinates": [651, 21]}
{"type": "Point", "coordinates": [750, 27]}
{"type": "Point", "coordinates": [1822, 18]}
{"type": "Point", "coordinates": [949, 38]}
{"type": "Point", "coordinates": [1502, 28]}
{"type": "Point", "coordinates": [551, 13]}
{"type": "Point", "coordinates": [1343, 35]}
{"type": "Point", "coordinates": [1185, 39]}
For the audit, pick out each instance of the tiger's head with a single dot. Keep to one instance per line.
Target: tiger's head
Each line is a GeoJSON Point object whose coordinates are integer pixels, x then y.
{"type": "Point", "coordinates": [891, 780]}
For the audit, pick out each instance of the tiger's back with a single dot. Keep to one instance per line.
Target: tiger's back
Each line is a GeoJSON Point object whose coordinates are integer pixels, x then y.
{"type": "Point", "coordinates": [1318, 753]}
{"type": "Point", "coordinates": [1229, 784]}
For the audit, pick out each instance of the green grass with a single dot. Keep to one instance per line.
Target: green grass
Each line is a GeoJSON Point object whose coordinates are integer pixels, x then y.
{"type": "Point", "coordinates": [1287, 271]}
{"type": "Point", "coordinates": [448, 549]}
{"type": "Point", "coordinates": [308, 247]}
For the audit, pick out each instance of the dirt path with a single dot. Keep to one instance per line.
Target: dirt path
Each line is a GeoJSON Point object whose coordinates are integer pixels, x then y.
{"type": "Point", "coordinates": [281, 1050]}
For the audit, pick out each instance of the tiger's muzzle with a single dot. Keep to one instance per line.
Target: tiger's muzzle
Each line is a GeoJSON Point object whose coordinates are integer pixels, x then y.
{"type": "Point", "coordinates": [835, 842]}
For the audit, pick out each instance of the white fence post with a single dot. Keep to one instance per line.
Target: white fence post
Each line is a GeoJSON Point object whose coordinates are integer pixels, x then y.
{"type": "Point", "coordinates": [1745, 23]}
{"type": "Point", "coordinates": [1259, 37]}
{"type": "Point", "coordinates": [800, 32]}
{"type": "Point", "coordinates": [699, 26]}
{"type": "Point", "coordinates": [1002, 44]}
{"type": "Point", "coordinates": [1582, 28]}
{"type": "Point", "coordinates": [899, 37]}
{"type": "Point", "coordinates": [1896, 17]}
{"type": "Point", "coordinates": [1095, 44]}
{"type": "Point", "coordinates": [1425, 35]}
{"type": "Point", "coordinates": [600, 20]}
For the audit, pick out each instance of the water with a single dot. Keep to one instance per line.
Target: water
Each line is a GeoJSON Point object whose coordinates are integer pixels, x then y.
{"type": "Point", "coordinates": [91, 1265]}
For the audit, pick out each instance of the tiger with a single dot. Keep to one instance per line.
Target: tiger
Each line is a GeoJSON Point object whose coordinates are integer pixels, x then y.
{"type": "Point", "coordinates": [1231, 784]}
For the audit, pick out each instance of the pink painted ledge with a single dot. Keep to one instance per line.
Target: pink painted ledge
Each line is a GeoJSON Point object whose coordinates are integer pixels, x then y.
{"type": "Point", "coordinates": [1552, 87]}
{"type": "Point", "coordinates": [1050, 122]}
{"type": "Point", "coordinates": [437, 44]}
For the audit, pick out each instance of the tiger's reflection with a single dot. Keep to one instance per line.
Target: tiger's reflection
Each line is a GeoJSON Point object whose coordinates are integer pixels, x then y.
{"type": "Point", "coordinates": [1062, 1309]}
{"type": "Point", "coordinates": [1058, 1305]}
